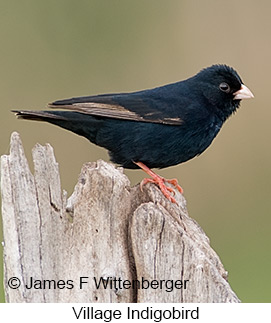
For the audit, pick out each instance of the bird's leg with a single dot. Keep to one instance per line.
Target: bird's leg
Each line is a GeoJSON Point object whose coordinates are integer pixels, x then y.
{"type": "Point", "coordinates": [160, 181]}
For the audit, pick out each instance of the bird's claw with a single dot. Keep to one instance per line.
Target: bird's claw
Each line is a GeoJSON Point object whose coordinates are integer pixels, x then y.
{"type": "Point", "coordinates": [174, 182]}
{"type": "Point", "coordinates": [160, 181]}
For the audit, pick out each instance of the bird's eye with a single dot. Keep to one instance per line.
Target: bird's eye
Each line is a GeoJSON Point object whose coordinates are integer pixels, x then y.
{"type": "Point", "coordinates": [224, 87]}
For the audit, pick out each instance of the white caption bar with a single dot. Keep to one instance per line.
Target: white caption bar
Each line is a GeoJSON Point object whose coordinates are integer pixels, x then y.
{"type": "Point", "coordinates": [135, 312]}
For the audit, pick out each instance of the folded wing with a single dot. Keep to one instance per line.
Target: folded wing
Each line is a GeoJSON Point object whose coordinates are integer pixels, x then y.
{"type": "Point", "coordinates": [121, 106]}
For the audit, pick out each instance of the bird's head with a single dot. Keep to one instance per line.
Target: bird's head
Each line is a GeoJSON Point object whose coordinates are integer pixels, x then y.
{"type": "Point", "coordinates": [223, 88]}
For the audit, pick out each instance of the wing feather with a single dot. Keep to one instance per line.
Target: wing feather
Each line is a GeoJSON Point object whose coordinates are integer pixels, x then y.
{"type": "Point", "coordinates": [135, 109]}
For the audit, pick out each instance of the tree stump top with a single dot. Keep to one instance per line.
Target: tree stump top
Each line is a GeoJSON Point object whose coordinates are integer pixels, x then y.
{"type": "Point", "coordinates": [106, 232]}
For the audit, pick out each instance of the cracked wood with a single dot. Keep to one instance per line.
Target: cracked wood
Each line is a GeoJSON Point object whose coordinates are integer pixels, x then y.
{"type": "Point", "coordinates": [105, 229]}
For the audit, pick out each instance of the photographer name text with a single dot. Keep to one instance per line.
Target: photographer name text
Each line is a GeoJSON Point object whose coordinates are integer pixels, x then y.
{"type": "Point", "coordinates": [112, 283]}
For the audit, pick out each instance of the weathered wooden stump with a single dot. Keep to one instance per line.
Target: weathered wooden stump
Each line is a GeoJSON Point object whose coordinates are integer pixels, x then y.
{"type": "Point", "coordinates": [140, 244]}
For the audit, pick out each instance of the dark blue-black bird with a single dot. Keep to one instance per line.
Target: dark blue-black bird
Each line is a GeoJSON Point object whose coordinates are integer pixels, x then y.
{"type": "Point", "coordinates": [154, 128]}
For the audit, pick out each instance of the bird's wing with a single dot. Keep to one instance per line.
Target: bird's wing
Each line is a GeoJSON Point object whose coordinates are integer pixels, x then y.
{"type": "Point", "coordinates": [128, 106]}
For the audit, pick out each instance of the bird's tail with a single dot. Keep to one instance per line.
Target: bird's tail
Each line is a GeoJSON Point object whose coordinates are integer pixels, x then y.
{"type": "Point", "coordinates": [37, 115]}
{"type": "Point", "coordinates": [79, 123]}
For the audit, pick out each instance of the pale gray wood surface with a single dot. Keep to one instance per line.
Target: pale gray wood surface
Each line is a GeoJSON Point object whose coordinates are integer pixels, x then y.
{"type": "Point", "coordinates": [106, 229]}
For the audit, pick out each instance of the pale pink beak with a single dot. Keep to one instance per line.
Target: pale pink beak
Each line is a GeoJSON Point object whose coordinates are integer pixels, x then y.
{"type": "Point", "coordinates": [243, 93]}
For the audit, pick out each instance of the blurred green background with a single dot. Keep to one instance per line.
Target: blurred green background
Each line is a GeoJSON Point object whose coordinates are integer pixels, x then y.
{"type": "Point", "coordinates": [58, 49]}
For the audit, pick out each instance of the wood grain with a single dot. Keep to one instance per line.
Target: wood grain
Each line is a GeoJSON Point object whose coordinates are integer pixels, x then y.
{"type": "Point", "coordinates": [106, 231]}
